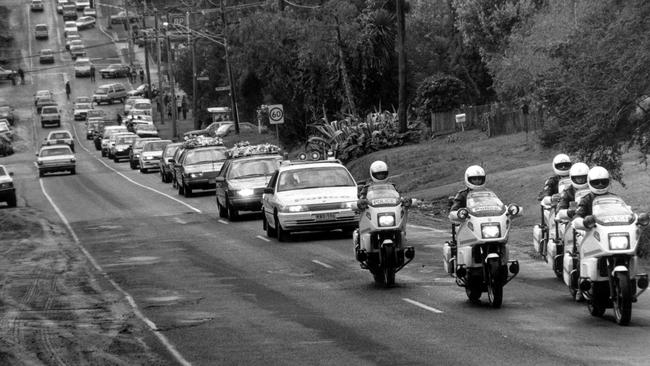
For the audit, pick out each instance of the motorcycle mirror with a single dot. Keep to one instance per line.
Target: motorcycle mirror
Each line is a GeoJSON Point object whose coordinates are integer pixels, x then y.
{"type": "Point", "coordinates": [407, 202]}
{"type": "Point", "coordinates": [589, 221]}
{"type": "Point", "coordinates": [513, 209]}
{"type": "Point", "coordinates": [643, 219]}
{"type": "Point", "coordinates": [462, 213]}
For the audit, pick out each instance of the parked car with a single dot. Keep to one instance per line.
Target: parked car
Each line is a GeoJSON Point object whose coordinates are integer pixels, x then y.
{"type": "Point", "coordinates": [151, 155]}
{"type": "Point", "coordinates": [5, 129]}
{"type": "Point", "coordinates": [41, 31]}
{"type": "Point", "coordinates": [69, 38]}
{"type": "Point", "coordinates": [7, 74]}
{"type": "Point", "coordinates": [77, 49]}
{"type": "Point", "coordinates": [93, 127]}
{"type": "Point", "coordinates": [7, 112]}
{"type": "Point", "coordinates": [69, 11]}
{"type": "Point", "coordinates": [72, 34]}
{"type": "Point", "coordinates": [140, 91]}
{"type": "Point", "coordinates": [81, 111]}
{"type": "Point", "coordinates": [112, 140]}
{"type": "Point", "coordinates": [55, 158]}
{"type": "Point", "coordinates": [90, 12]}
{"type": "Point", "coordinates": [86, 22]}
{"type": "Point", "coordinates": [115, 71]}
{"type": "Point", "coordinates": [309, 196]}
{"type": "Point", "coordinates": [110, 93]}
{"type": "Point", "coordinates": [37, 5]}
{"type": "Point", "coordinates": [70, 25]}
{"type": "Point", "coordinates": [242, 179]}
{"type": "Point", "coordinates": [166, 167]}
{"type": "Point", "coordinates": [198, 165]}
{"type": "Point", "coordinates": [59, 5]}
{"type": "Point", "coordinates": [46, 56]}
{"type": "Point", "coordinates": [82, 4]}
{"type": "Point", "coordinates": [50, 115]}
{"type": "Point", "coordinates": [59, 137]}
{"type": "Point", "coordinates": [136, 150]}
{"type": "Point", "coordinates": [82, 66]}
{"type": "Point", "coordinates": [122, 147]}
{"type": "Point", "coordinates": [7, 189]}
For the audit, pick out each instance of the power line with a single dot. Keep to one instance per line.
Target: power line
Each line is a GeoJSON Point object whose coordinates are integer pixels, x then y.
{"type": "Point", "coordinates": [302, 6]}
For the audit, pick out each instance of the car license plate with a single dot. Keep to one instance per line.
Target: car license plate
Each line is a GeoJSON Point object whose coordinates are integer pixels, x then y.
{"type": "Point", "coordinates": [325, 216]}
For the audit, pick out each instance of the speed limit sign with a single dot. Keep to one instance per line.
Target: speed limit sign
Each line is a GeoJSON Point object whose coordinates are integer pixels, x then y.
{"type": "Point", "coordinates": [276, 114]}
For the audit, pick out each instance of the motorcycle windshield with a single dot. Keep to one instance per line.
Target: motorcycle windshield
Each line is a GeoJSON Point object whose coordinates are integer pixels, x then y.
{"type": "Point", "coordinates": [379, 195]}
{"type": "Point", "coordinates": [612, 211]}
{"type": "Point", "coordinates": [485, 203]}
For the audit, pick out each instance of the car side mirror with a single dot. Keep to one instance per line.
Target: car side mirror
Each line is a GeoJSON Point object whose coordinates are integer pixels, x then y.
{"type": "Point", "coordinates": [220, 179]}
{"type": "Point", "coordinates": [268, 190]}
{"type": "Point", "coordinates": [11, 174]}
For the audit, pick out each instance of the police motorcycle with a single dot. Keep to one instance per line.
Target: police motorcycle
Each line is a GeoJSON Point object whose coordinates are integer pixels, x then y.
{"type": "Point", "coordinates": [547, 235]}
{"type": "Point", "coordinates": [477, 254]}
{"type": "Point", "coordinates": [609, 275]}
{"type": "Point", "coordinates": [380, 241]}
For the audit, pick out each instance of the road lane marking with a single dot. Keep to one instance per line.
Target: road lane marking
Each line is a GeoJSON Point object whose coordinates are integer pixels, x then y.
{"type": "Point", "coordinates": [223, 222]}
{"type": "Point", "coordinates": [428, 228]}
{"type": "Point", "coordinates": [74, 128]}
{"type": "Point", "coordinates": [152, 326]}
{"type": "Point", "coordinates": [262, 238]}
{"type": "Point", "coordinates": [322, 264]}
{"type": "Point", "coordinates": [421, 305]}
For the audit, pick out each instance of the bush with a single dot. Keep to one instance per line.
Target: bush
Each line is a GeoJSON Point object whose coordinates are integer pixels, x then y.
{"type": "Point", "coordinates": [438, 93]}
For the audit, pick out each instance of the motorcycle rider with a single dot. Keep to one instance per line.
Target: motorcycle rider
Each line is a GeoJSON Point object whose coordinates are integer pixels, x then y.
{"type": "Point", "coordinates": [561, 167]}
{"type": "Point", "coordinates": [578, 174]}
{"type": "Point", "coordinates": [378, 175]}
{"type": "Point", "coordinates": [598, 181]}
{"type": "Point", "coordinates": [474, 178]}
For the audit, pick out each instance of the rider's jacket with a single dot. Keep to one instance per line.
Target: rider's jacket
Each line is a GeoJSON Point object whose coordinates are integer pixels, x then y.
{"type": "Point", "coordinates": [460, 200]}
{"type": "Point", "coordinates": [586, 204]}
{"type": "Point", "coordinates": [550, 186]}
{"type": "Point", "coordinates": [567, 196]}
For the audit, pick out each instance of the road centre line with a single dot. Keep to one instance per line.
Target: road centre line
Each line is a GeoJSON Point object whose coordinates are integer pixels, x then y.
{"type": "Point", "coordinates": [152, 326]}
{"type": "Point", "coordinates": [322, 264]}
{"type": "Point", "coordinates": [263, 238]}
{"type": "Point", "coordinates": [421, 305]}
{"type": "Point", "coordinates": [74, 128]}
{"type": "Point", "coordinates": [223, 222]}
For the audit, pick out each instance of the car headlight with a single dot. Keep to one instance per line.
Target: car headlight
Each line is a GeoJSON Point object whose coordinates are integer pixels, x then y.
{"type": "Point", "coordinates": [148, 158]}
{"type": "Point", "coordinates": [6, 185]}
{"type": "Point", "coordinates": [489, 231]}
{"type": "Point", "coordinates": [386, 220]}
{"type": "Point", "coordinates": [349, 205]}
{"type": "Point", "coordinates": [294, 208]}
{"type": "Point", "coordinates": [245, 192]}
{"type": "Point", "coordinates": [120, 148]}
{"type": "Point", "coordinates": [619, 241]}
{"type": "Point", "coordinates": [136, 155]}
{"type": "Point", "coordinates": [196, 175]}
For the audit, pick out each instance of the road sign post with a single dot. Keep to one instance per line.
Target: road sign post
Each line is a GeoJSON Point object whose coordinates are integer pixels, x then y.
{"type": "Point", "coordinates": [276, 117]}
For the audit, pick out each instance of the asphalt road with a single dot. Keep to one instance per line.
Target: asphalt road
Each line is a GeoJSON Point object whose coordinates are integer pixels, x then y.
{"type": "Point", "coordinates": [213, 292]}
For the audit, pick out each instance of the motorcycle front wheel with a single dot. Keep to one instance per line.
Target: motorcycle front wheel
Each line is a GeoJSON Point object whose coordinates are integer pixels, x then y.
{"type": "Point", "coordinates": [494, 284]}
{"type": "Point", "coordinates": [473, 289]}
{"type": "Point", "coordinates": [389, 266]}
{"type": "Point", "coordinates": [622, 298]}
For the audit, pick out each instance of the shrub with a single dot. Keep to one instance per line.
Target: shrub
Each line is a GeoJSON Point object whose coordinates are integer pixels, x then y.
{"type": "Point", "coordinates": [438, 93]}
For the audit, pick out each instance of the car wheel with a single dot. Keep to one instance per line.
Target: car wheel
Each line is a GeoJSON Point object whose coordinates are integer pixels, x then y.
{"type": "Point", "coordinates": [40, 173]}
{"type": "Point", "coordinates": [115, 159]}
{"type": "Point", "coordinates": [233, 214]}
{"type": "Point", "coordinates": [73, 171]}
{"type": "Point", "coordinates": [11, 201]}
{"type": "Point", "coordinates": [181, 191]}
{"type": "Point", "coordinates": [132, 164]}
{"type": "Point", "coordinates": [222, 210]}
{"type": "Point", "coordinates": [188, 191]}
{"type": "Point", "coordinates": [142, 170]}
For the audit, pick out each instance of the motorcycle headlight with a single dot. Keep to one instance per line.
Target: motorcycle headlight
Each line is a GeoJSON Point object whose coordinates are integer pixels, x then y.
{"type": "Point", "coordinates": [386, 220]}
{"type": "Point", "coordinates": [245, 192]}
{"type": "Point", "coordinates": [489, 231]}
{"type": "Point", "coordinates": [619, 241]}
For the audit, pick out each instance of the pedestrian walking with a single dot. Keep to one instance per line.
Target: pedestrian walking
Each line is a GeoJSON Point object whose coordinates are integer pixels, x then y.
{"type": "Point", "coordinates": [169, 110]}
{"type": "Point", "coordinates": [21, 73]}
{"type": "Point", "coordinates": [92, 73]}
{"type": "Point", "coordinates": [67, 89]}
{"type": "Point", "coordinates": [141, 76]}
{"type": "Point", "coordinates": [184, 107]}
{"type": "Point", "coordinates": [134, 75]}
{"type": "Point", "coordinates": [179, 105]}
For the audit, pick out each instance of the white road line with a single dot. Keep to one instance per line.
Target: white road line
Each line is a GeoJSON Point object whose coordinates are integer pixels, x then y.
{"type": "Point", "coordinates": [263, 238]}
{"type": "Point", "coordinates": [428, 228]}
{"type": "Point", "coordinates": [421, 305]}
{"type": "Point", "coordinates": [74, 128]}
{"type": "Point", "coordinates": [152, 326]}
{"type": "Point", "coordinates": [223, 222]}
{"type": "Point", "coordinates": [321, 263]}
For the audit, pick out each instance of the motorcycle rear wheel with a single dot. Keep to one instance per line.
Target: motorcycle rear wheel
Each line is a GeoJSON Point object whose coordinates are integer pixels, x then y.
{"type": "Point", "coordinates": [494, 284]}
{"type": "Point", "coordinates": [622, 299]}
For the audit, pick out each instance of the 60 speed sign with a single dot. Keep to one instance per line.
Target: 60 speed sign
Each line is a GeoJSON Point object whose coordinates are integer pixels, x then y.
{"type": "Point", "coordinates": [276, 114]}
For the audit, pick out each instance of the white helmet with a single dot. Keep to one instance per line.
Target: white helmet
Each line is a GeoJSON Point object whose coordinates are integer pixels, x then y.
{"type": "Point", "coordinates": [561, 164]}
{"type": "Point", "coordinates": [379, 171]}
{"type": "Point", "coordinates": [474, 177]}
{"type": "Point", "coordinates": [598, 179]}
{"type": "Point", "coordinates": [578, 174]}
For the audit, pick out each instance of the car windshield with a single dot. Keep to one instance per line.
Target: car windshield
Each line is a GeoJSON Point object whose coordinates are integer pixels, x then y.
{"type": "Point", "coordinates": [142, 106]}
{"type": "Point", "coordinates": [96, 113]}
{"type": "Point", "coordinates": [46, 52]}
{"type": "Point", "coordinates": [170, 150]}
{"type": "Point", "coordinates": [205, 156]}
{"type": "Point", "coordinates": [60, 135]}
{"type": "Point", "coordinates": [145, 127]}
{"type": "Point", "coordinates": [55, 151]}
{"type": "Point", "coordinates": [47, 110]}
{"type": "Point", "coordinates": [155, 146]}
{"type": "Point", "coordinates": [101, 91]}
{"type": "Point", "coordinates": [316, 177]}
{"type": "Point", "coordinates": [140, 143]}
{"type": "Point", "coordinates": [83, 106]}
{"type": "Point", "coordinates": [83, 100]}
{"type": "Point", "coordinates": [41, 27]}
{"type": "Point", "coordinates": [253, 168]}
{"type": "Point", "coordinates": [2, 171]}
{"type": "Point", "coordinates": [612, 211]}
{"type": "Point", "coordinates": [124, 140]}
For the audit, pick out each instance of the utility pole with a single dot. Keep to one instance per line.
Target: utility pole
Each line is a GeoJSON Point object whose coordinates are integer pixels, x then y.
{"type": "Point", "coordinates": [192, 43]}
{"type": "Point", "coordinates": [401, 58]}
{"type": "Point", "coordinates": [233, 98]}
{"type": "Point", "coordinates": [158, 51]}
{"type": "Point", "coordinates": [172, 82]}
{"type": "Point", "coordinates": [128, 28]}
{"type": "Point", "coordinates": [145, 42]}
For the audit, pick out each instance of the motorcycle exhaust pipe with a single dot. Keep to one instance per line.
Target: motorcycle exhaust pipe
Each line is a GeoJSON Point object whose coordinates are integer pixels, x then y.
{"type": "Point", "coordinates": [585, 285]}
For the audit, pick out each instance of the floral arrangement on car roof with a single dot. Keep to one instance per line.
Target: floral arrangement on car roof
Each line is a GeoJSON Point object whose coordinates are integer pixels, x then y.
{"type": "Point", "coordinates": [244, 148]}
{"type": "Point", "coordinates": [202, 141]}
